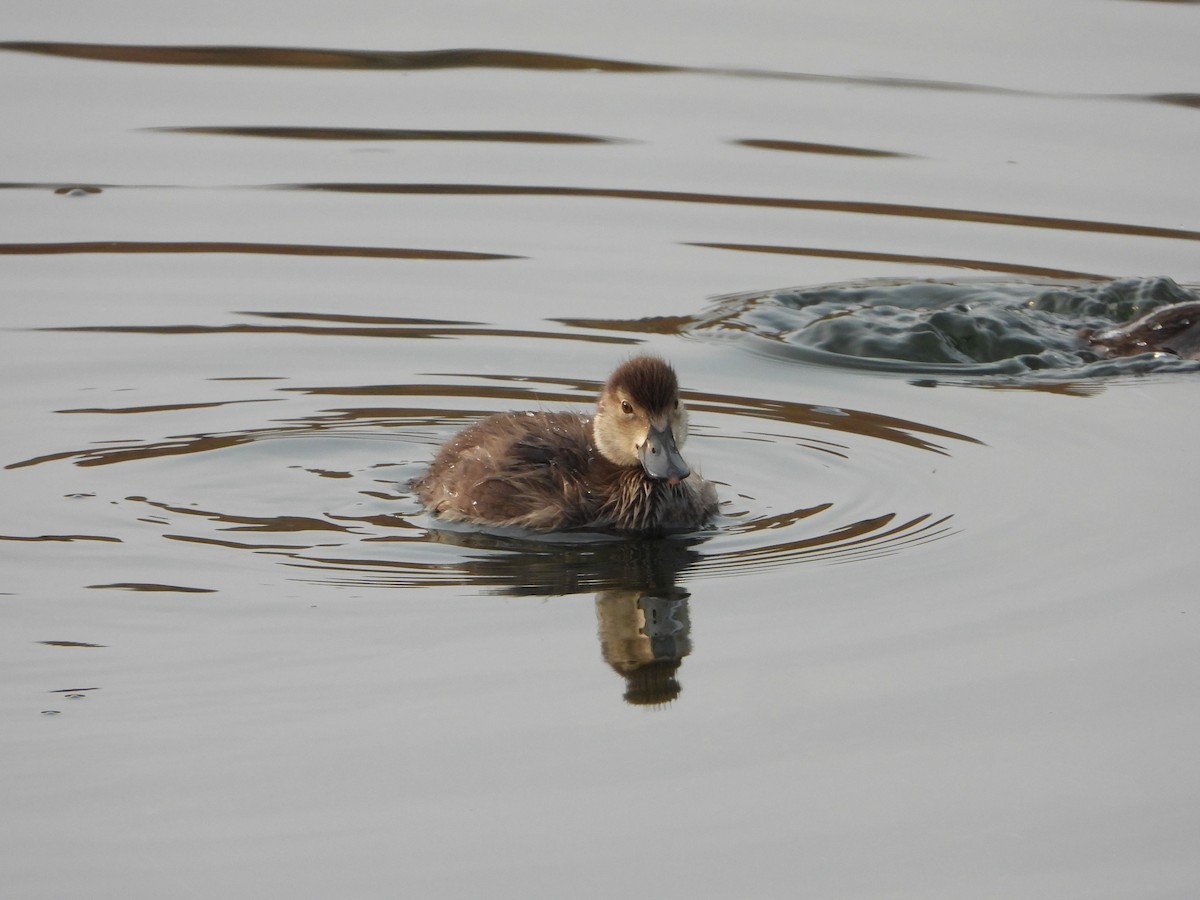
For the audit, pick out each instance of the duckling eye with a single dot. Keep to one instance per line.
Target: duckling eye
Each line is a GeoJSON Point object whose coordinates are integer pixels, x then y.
{"type": "Point", "coordinates": [626, 408]}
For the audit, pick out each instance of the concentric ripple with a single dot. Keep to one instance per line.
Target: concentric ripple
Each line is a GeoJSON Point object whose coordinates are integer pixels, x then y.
{"type": "Point", "coordinates": [798, 483]}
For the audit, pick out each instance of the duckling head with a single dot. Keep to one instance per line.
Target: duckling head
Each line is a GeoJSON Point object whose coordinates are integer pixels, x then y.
{"type": "Point", "coordinates": [640, 419]}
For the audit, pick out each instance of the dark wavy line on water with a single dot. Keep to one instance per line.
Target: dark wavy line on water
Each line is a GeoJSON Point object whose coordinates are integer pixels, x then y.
{"type": "Point", "coordinates": [807, 147]}
{"type": "Point", "coordinates": [489, 58]}
{"type": "Point", "coordinates": [862, 207]}
{"type": "Point", "coordinates": [242, 247]}
{"type": "Point", "coordinates": [322, 133]}
{"type": "Point", "coordinates": [320, 58]}
{"type": "Point", "coordinates": [61, 538]}
{"type": "Point", "coordinates": [341, 331]}
{"type": "Point", "coordinates": [869, 256]}
{"type": "Point", "coordinates": [1191, 101]}
{"type": "Point", "coordinates": [144, 586]}
{"type": "Point", "coordinates": [859, 207]}
{"type": "Point", "coordinates": [345, 319]}
{"type": "Point", "coordinates": [164, 407]}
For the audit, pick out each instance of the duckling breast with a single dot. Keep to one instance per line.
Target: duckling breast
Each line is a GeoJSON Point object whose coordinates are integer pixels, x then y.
{"type": "Point", "coordinates": [633, 502]}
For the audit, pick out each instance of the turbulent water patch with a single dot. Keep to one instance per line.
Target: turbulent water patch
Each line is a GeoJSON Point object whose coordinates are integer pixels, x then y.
{"type": "Point", "coordinates": [1014, 328]}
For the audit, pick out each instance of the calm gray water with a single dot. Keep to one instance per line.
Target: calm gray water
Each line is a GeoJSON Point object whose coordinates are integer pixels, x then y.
{"type": "Point", "coordinates": [258, 263]}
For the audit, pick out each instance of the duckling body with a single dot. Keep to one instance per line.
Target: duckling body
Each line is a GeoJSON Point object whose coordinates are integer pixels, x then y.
{"type": "Point", "coordinates": [619, 470]}
{"type": "Point", "coordinates": [1171, 329]}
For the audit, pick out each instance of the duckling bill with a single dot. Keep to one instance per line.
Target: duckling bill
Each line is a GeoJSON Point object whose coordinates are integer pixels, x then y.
{"type": "Point", "coordinates": [617, 470]}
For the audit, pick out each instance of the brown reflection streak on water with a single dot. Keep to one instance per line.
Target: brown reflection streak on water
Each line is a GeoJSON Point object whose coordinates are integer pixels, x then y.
{"type": "Point", "coordinates": [647, 325]}
{"type": "Point", "coordinates": [419, 330]}
{"type": "Point", "coordinates": [358, 320]}
{"type": "Point", "coordinates": [911, 259]}
{"type": "Point", "coordinates": [166, 407]}
{"type": "Point", "coordinates": [1191, 101]}
{"type": "Point", "coordinates": [331, 331]}
{"type": "Point", "coordinates": [851, 421]}
{"type": "Point", "coordinates": [523, 395]}
{"type": "Point", "coordinates": [414, 60]}
{"type": "Point", "coordinates": [150, 588]}
{"type": "Point", "coordinates": [249, 523]}
{"type": "Point", "coordinates": [806, 147]}
{"type": "Point", "coordinates": [859, 207]}
{"type": "Point", "coordinates": [128, 453]}
{"type": "Point", "coordinates": [242, 247]}
{"type": "Point", "coordinates": [477, 58]}
{"type": "Point", "coordinates": [232, 545]}
{"type": "Point", "coordinates": [61, 538]}
{"type": "Point", "coordinates": [903, 210]}
{"type": "Point", "coordinates": [783, 520]}
{"type": "Point", "coordinates": [205, 443]}
{"type": "Point", "coordinates": [314, 58]}
{"type": "Point", "coordinates": [389, 134]}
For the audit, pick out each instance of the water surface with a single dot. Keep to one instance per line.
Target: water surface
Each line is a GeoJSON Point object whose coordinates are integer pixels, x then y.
{"type": "Point", "coordinates": [941, 640]}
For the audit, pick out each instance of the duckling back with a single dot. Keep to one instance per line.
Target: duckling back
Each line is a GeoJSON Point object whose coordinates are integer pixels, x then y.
{"type": "Point", "coordinates": [1170, 329]}
{"type": "Point", "coordinates": [521, 469]}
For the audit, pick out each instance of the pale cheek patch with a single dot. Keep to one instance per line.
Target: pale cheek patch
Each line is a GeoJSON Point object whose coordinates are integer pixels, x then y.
{"type": "Point", "coordinates": [679, 425]}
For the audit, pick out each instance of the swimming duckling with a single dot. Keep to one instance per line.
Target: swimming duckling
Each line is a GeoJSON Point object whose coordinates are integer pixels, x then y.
{"type": "Point", "coordinates": [1169, 329]}
{"type": "Point", "coordinates": [619, 470]}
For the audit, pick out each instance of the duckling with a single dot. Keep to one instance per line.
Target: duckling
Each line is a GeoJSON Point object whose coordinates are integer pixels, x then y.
{"type": "Point", "coordinates": [1169, 329]}
{"type": "Point", "coordinates": [619, 470]}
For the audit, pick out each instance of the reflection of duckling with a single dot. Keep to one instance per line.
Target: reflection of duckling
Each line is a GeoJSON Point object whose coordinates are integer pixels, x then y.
{"type": "Point", "coordinates": [644, 637]}
{"type": "Point", "coordinates": [619, 470]}
{"type": "Point", "coordinates": [1171, 329]}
